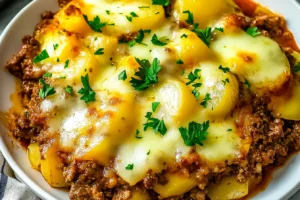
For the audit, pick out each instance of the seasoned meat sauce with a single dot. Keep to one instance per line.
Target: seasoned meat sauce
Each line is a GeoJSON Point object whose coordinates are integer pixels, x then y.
{"type": "Point", "coordinates": [273, 139]}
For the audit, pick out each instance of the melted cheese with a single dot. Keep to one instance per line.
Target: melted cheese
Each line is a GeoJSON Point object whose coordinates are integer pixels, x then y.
{"type": "Point", "coordinates": [105, 130]}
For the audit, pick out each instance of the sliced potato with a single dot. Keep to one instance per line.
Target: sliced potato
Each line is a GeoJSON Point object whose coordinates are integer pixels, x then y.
{"type": "Point", "coordinates": [34, 156]}
{"type": "Point", "coordinates": [176, 100]}
{"type": "Point", "coordinates": [202, 10]}
{"type": "Point", "coordinates": [228, 188]}
{"type": "Point", "coordinates": [264, 68]}
{"type": "Point", "coordinates": [287, 105]}
{"type": "Point", "coordinates": [51, 168]}
{"type": "Point", "coordinates": [190, 49]}
{"type": "Point", "coordinates": [177, 185]}
{"type": "Point", "coordinates": [223, 89]}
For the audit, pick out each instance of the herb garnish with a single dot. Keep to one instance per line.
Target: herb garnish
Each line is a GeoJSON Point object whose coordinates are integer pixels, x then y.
{"type": "Point", "coordinates": [195, 133]}
{"type": "Point", "coordinates": [157, 41]}
{"type": "Point", "coordinates": [224, 69]}
{"type": "Point", "coordinates": [204, 35]}
{"type": "Point", "coordinates": [137, 132]}
{"type": "Point", "coordinates": [122, 75]}
{"type": "Point", "coordinates": [247, 83]}
{"type": "Point", "coordinates": [190, 19]}
{"type": "Point", "coordinates": [42, 56]}
{"type": "Point", "coordinates": [193, 76]}
{"type": "Point", "coordinates": [69, 89]}
{"type": "Point", "coordinates": [99, 51]}
{"type": "Point", "coordinates": [133, 14]}
{"type": "Point", "coordinates": [47, 75]}
{"type": "Point", "coordinates": [296, 68]}
{"type": "Point", "coordinates": [129, 167]}
{"type": "Point", "coordinates": [205, 100]}
{"type": "Point", "coordinates": [225, 81]}
{"type": "Point", "coordinates": [161, 2]}
{"type": "Point", "coordinates": [179, 62]}
{"type": "Point", "coordinates": [46, 90]}
{"type": "Point", "coordinates": [147, 74]}
{"type": "Point", "coordinates": [183, 36]}
{"type": "Point", "coordinates": [55, 46]}
{"type": "Point", "coordinates": [88, 95]}
{"type": "Point", "coordinates": [66, 64]}
{"type": "Point", "coordinates": [129, 18]}
{"type": "Point", "coordinates": [253, 31]}
{"type": "Point", "coordinates": [155, 105]}
{"type": "Point", "coordinates": [96, 24]}
{"type": "Point", "coordinates": [156, 124]}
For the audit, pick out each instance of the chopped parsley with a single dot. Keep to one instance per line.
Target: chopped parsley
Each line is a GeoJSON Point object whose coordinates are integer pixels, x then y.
{"type": "Point", "coordinates": [139, 38]}
{"type": "Point", "coordinates": [96, 24]}
{"type": "Point", "coordinates": [42, 56]}
{"type": "Point", "coordinates": [148, 153]}
{"type": "Point", "coordinates": [66, 64]}
{"type": "Point", "coordinates": [55, 46]}
{"type": "Point", "coordinates": [156, 124]}
{"type": "Point", "coordinates": [129, 167]}
{"type": "Point", "coordinates": [253, 31]}
{"type": "Point", "coordinates": [133, 14]}
{"type": "Point", "coordinates": [225, 81]}
{"type": "Point", "coordinates": [47, 75]}
{"type": "Point", "coordinates": [57, 60]}
{"type": "Point", "coordinates": [99, 51]}
{"type": "Point", "coordinates": [46, 90]}
{"type": "Point", "coordinates": [184, 36]}
{"type": "Point", "coordinates": [193, 76]}
{"type": "Point", "coordinates": [107, 12]}
{"type": "Point", "coordinates": [179, 62]}
{"type": "Point", "coordinates": [296, 68]}
{"type": "Point", "coordinates": [69, 89]}
{"type": "Point", "coordinates": [88, 95]}
{"type": "Point", "coordinates": [155, 105]}
{"type": "Point", "coordinates": [195, 133]}
{"type": "Point", "coordinates": [129, 18]}
{"type": "Point", "coordinates": [112, 24]}
{"type": "Point", "coordinates": [190, 19]}
{"type": "Point", "coordinates": [204, 35]}
{"type": "Point", "coordinates": [161, 2]}
{"type": "Point", "coordinates": [157, 41]}
{"type": "Point", "coordinates": [147, 74]}
{"type": "Point", "coordinates": [229, 130]}
{"type": "Point", "coordinates": [137, 132]}
{"type": "Point", "coordinates": [122, 75]}
{"type": "Point", "coordinates": [219, 29]}
{"type": "Point", "coordinates": [224, 69]}
{"type": "Point", "coordinates": [247, 83]}
{"type": "Point", "coordinates": [205, 100]}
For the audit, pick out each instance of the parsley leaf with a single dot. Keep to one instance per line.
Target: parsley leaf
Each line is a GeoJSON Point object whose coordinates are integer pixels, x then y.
{"type": "Point", "coordinates": [157, 125]}
{"type": "Point", "coordinates": [133, 14]}
{"type": "Point", "coordinates": [225, 81]}
{"type": "Point", "coordinates": [66, 64]}
{"type": "Point", "coordinates": [195, 133]}
{"type": "Point", "coordinates": [193, 76]}
{"type": "Point", "coordinates": [219, 29]}
{"type": "Point", "coordinates": [184, 36]}
{"type": "Point", "coordinates": [47, 74]}
{"type": "Point", "coordinates": [88, 95]}
{"type": "Point", "coordinates": [147, 74]}
{"type": "Point", "coordinates": [46, 90]}
{"type": "Point", "coordinates": [55, 46]}
{"type": "Point", "coordinates": [96, 24]}
{"type": "Point", "coordinates": [224, 69]}
{"type": "Point", "coordinates": [139, 38]}
{"type": "Point", "coordinates": [247, 83]}
{"type": "Point", "coordinates": [204, 35]}
{"type": "Point", "coordinates": [129, 18]}
{"type": "Point", "coordinates": [69, 89]}
{"type": "Point", "coordinates": [161, 2]}
{"type": "Point", "coordinates": [190, 19]}
{"type": "Point", "coordinates": [137, 132]}
{"type": "Point", "coordinates": [129, 167]}
{"type": "Point", "coordinates": [148, 153]}
{"type": "Point", "coordinates": [107, 12]}
{"type": "Point", "coordinates": [205, 100]}
{"type": "Point", "coordinates": [253, 31]}
{"type": "Point", "coordinates": [179, 62]}
{"type": "Point", "coordinates": [296, 68]}
{"type": "Point", "coordinates": [229, 130]}
{"type": "Point", "coordinates": [122, 75]}
{"type": "Point", "coordinates": [42, 56]}
{"type": "Point", "coordinates": [155, 105]}
{"type": "Point", "coordinates": [156, 41]}
{"type": "Point", "coordinates": [99, 51]}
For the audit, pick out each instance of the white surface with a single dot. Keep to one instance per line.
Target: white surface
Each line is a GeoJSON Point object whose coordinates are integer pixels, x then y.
{"type": "Point", "coordinates": [285, 183]}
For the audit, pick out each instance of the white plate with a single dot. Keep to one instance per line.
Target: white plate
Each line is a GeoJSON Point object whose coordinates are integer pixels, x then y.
{"type": "Point", "coordinates": [285, 183]}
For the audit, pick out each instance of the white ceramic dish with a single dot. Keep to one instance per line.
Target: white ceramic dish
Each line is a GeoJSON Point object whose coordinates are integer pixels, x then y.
{"type": "Point", "coordinates": [285, 182]}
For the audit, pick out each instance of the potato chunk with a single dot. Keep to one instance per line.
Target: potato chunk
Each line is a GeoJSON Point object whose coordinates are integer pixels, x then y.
{"type": "Point", "coordinates": [34, 156]}
{"type": "Point", "coordinates": [51, 168]}
{"type": "Point", "coordinates": [177, 185]}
